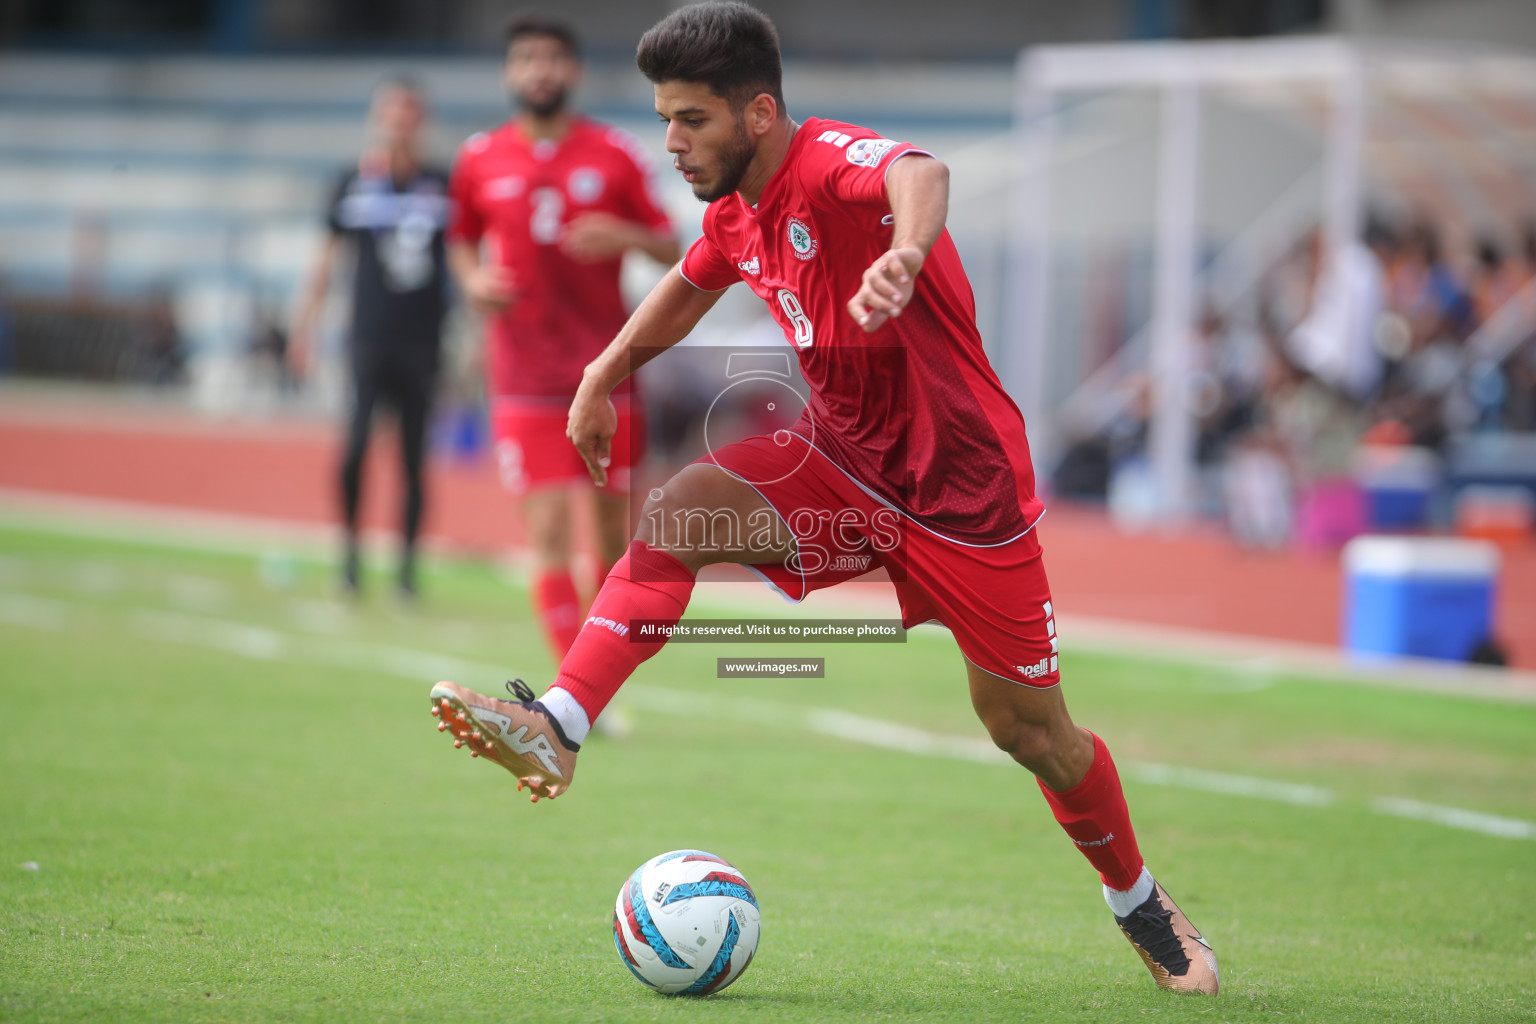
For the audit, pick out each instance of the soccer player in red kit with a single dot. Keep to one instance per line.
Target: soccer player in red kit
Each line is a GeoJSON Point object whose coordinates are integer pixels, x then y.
{"type": "Point", "coordinates": [909, 449]}
{"type": "Point", "coordinates": [544, 209]}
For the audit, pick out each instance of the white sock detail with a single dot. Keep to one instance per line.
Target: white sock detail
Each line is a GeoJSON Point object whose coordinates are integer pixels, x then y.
{"type": "Point", "coordinates": [1122, 903]}
{"type": "Point", "coordinates": [571, 715]}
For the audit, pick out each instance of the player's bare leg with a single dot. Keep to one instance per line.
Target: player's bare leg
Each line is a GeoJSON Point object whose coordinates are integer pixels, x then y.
{"type": "Point", "coordinates": [611, 517]}
{"type": "Point", "coordinates": [538, 740]}
{"type": "Point", "coordinates": [702, 488]}
{"type": "Point", "coordinates": [613, 529]}
{"type": "Point", "coordinates": [1078, 778]}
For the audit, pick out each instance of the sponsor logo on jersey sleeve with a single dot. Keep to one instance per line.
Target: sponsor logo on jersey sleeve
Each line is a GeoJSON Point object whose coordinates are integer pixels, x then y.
{"type": "Point", "coordinates": [585, 184]}
{"type": "Point", "coordinates": [801, 240]}
{"type": "Point", "coordinates": [868, 152]}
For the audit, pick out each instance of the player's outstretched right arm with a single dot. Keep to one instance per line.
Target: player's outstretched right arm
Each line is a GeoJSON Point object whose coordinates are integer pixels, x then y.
{"type": "Point", "coordinates": [663, 319]}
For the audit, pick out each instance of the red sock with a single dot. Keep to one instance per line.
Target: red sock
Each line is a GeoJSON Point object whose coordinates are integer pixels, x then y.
{"type": "Point", "coordinates": [1093, 814]}
{"type": "Point", "coordinates": [554, 595]}
{"type": "Point", "coordinates": [646, 584]}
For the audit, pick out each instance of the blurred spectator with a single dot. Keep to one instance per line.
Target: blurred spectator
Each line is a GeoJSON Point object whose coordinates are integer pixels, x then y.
{"type": "Point", "coordinates": [7, 338]}
{"type": "Point", "coordinates": [1336, 342]}
{"type": "Point", "coordinates": [1520, 402]}
{"type": "Point", "coordinates": [1426, 291]}
{"type": "Point", "coordinates": [267, 348]}
{"type": "Point", "coordinates": [393, 210]}
{"type": "Point", "coordinates": [1259, 492]}
{"type": "Point", "coordinates": [1496, 280]}
{"type": "Point", "coordinates": [1316, 427]}
{"type": "Point", "coordinates": [1372, 342]}
{"type": "Point", "coordinates": [162, 357]}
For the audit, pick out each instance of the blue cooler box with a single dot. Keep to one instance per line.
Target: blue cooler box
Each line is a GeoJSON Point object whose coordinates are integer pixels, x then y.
{"type": "Point", "coordinates": [1399, 485]}
{"type": "Point", "coordinates": [1418, 596]}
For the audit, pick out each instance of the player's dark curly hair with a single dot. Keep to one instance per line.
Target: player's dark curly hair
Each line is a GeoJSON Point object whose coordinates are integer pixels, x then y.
{"type": "Point", "coordinates": [731, 47]}
{"type": "Point", "coordinates": [537, 23]}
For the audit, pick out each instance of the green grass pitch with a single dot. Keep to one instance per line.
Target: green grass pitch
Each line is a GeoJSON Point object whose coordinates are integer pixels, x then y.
{"type": "Point", "coordinates": [223, 799]}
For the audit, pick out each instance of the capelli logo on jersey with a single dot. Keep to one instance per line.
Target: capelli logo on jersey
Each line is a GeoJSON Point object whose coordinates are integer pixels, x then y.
{"type": "Point", "coordinates": [801, 240]}
{"type": "Point", "coordinates": [751, 266]}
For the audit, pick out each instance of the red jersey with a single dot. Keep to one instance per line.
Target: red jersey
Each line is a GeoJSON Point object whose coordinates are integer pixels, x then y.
{"type": "Point", "coordinates": [518, 194]}
{"type": "Point", "coordinates": [913, 412]}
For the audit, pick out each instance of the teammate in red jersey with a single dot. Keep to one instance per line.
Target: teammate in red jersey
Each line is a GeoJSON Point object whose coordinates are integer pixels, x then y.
{"type": "Point", "coordinates": [909, 450]}
{"type": "Point", "coordinates": [544, 209]}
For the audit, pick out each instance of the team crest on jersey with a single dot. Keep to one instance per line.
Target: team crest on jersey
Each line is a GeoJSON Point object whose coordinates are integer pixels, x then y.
{"type": "Point", "coordinates": [868, 152]}
{"type": "Point", "coordinates": [585, 184]}
{"type": "Point", "coordinates": [801, 240]}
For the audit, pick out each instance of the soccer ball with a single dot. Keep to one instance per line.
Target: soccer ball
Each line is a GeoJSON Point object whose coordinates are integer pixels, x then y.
{"type": "Point", "coordinates": [686, 922]}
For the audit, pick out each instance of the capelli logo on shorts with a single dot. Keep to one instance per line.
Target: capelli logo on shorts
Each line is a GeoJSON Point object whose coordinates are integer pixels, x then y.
{"type": "Point", "coordinates": [1043, 667]}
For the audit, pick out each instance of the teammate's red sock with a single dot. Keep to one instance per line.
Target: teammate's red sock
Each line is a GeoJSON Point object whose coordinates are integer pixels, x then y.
{"type": "Point", "coordinates": [647, 583]}
{"type": "Point", "coordinates": [1093, 814]}
{"type": "Point", "coordinates": [554, 595]}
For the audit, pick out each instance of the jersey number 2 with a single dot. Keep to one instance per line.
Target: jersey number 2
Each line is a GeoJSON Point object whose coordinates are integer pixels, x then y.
{"type": "Point", "coordinates": [545, 223]}
{"type": "Point", "coordinates": [797, 318]}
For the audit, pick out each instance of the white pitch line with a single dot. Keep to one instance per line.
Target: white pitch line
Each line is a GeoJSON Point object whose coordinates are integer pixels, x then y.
{"type": "Point", "coordinates": [237, 638]}
{"type": "Point", "coordinates": [1455, 817]}
{"type": "Point", "coordinates": [905, 738]}
{"type": "Point", "coordinates": [261, 644]}
{"type": "Point", "coordinates": [32, 612]}
{"type": "Point", "coordinates": [1255, 662]}
{"type": "Point", "coordinates": [1231, 785]}
{"type": "Point", "coordinates": [270, 645]}
{"type": "Point", "coordinates": [908, 739]}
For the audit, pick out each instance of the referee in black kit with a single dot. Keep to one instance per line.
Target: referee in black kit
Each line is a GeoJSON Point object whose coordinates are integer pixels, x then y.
{"type": "Point", "coordinates": [392, 209]}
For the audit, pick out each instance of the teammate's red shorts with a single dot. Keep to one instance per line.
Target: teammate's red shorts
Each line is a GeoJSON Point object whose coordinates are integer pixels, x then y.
{"type": "Point", "coordinates": [532, 451]}
{"type": "Point", "coordinates": [995, 600]}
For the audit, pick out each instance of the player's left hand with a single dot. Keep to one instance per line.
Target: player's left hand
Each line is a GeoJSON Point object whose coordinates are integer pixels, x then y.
{"type": "Point", "coordinates": [595, 236]}
{"type": "Point", "coordinates": [887, 288]}
{"type": "Point", "coordinates": [590, 425]}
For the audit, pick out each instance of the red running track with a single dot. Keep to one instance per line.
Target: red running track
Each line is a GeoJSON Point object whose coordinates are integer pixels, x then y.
{"type": "Point", "coordinates": [285, 471]}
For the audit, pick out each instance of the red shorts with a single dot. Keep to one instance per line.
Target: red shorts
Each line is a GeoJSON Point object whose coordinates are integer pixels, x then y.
{"type": "Point", "coordinates": [995, 600]}
{"type": "Point", "coordinates": [532, 451]}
